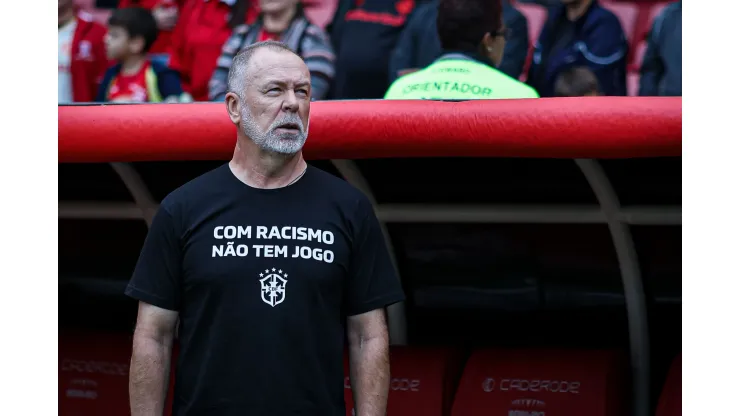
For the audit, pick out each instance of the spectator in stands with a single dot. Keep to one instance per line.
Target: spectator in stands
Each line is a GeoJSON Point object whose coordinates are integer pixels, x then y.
{"type": "Point", "coordinates": [660, 74]}
{"type": "Point", "coordinates": [165, 13]}
{"type": "Point", "coordinates": [252, 344]}
{"type": "Point", "coordinates": [473, 37]}
{"type": "Point", "coordinates": [580, 33]}
{"type": "Point", "coordinates": [82, 57]}
{"type": "Point", "coordinates": [578, 81]}
{"type": "Point", "coordinates": [199, 36]}
{"type": "Point", "coordinates": [419, 44]}
{"type": "Point", "coordinates": [364, 34]}
{"type": "Point", "coordinates": [135, 78]}
{"type": "Point", "coordinates": [281, 20]}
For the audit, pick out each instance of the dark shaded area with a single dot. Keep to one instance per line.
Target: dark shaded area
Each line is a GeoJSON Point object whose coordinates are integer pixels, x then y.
{"type": "Point", "coordinates": [91, 182]}
{"type": "Point", "coordinates": [650, 181]}
{"type": "Point", "coordinates": [477, 180]}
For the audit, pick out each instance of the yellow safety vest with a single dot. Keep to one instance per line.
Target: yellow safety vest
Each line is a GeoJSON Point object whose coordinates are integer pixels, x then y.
{"type": "Point", "coordinates": [458, 79]}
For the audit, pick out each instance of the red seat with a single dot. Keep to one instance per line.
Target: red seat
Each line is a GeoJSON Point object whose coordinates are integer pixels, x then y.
{"type": "Point", "coordinates": [93, 374]}
{"type": "Point", "coordinates": [652, 13]}
{"type": "Point", "coordinates": [536, 17]}
{"type": "Point", "coordinates": [422, 381]}
{"type": "Point", "coordinates": [639, 54]}
{"type": "Point", "coordinates": [633, 84]}
{"type": "Point", "coordinates": [627, 15]}
{"type": "Point", "coordinates": [656, 10]}
{"type": "Point", "coordinates": [534, 382]}
{"type": "Point", "coordinates": [670, 399]}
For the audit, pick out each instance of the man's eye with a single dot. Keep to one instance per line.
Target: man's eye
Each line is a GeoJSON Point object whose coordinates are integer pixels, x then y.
{"type": "Point", "coordinates": [304, 92]}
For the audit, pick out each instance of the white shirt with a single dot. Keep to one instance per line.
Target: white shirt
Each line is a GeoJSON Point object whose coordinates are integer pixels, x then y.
{"type": "Point", "coordinates": [66, 34]}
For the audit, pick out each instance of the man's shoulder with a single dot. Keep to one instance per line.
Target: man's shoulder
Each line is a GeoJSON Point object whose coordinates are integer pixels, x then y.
{"type": "Point", "coordinates": [337, 189]}
{"type": "Point", "coordinates": [194, 190]}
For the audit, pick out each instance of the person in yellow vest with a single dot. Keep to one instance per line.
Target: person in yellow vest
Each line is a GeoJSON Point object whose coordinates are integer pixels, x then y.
{"type": "Point", "coordinates": [473, 36]}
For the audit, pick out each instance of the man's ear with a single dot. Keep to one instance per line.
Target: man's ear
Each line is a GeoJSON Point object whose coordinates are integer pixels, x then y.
{"type": "Point", "coordinates": [233, 107]}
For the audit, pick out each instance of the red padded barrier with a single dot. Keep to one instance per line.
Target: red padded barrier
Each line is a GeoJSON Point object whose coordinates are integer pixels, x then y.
{"type": "Point", "coordinates": [422, 381]}
{"type": "Point", "coordinates": [670, 399]}
{"type": "Point", "coordinates": [538, 383]}
{"type": "Point", "coordinates": [597, 127]}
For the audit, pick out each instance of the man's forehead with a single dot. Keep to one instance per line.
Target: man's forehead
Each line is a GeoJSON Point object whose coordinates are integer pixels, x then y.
{"type": "Point", "coordinates": [266, 61]}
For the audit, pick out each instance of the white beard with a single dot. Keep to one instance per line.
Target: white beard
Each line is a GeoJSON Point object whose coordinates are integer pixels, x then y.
{"type": "Point", "coordinates": [281, 143]}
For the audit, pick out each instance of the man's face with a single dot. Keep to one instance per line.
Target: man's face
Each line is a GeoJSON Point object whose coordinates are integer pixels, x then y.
{"type": "Point", "coordinates": [276, 104]}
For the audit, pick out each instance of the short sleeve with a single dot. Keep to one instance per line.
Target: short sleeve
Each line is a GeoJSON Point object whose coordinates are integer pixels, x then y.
{"type": "Point", "coordinates": [156, 279]}
{"type": "Point", "coordinates": [372, 282]}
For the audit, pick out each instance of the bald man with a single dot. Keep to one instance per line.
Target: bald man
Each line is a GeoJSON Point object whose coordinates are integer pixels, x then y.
{"type": "Point", "coordinates": [265, 261]}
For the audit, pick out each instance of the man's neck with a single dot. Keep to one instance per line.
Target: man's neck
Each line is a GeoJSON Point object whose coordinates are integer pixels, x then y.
{"type": "Point", "coordinates": [132, 64]}
{"type": "Point", "coordinates": [259, 168]}
{"type": "Point", "coordinates": [278, 22]}
{"type": "Point", "coordinates": [574, 11]}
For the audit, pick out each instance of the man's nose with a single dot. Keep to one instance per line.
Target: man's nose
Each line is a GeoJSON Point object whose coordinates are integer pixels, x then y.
{"type": "Point", "coordinates": [290, 103]}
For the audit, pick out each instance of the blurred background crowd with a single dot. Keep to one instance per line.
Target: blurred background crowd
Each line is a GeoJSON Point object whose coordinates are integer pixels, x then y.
{"type": "Point", "coordinates": [180, 50]}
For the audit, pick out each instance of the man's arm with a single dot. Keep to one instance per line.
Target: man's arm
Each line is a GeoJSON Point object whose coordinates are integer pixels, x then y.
{"type": "Point", "coordinates": [150, 361]}
{"type": "Point", "coordinates": [368, 362]}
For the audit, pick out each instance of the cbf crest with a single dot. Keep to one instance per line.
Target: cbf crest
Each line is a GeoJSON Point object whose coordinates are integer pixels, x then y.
{"type": "Point", "coordinates": [273, 286]}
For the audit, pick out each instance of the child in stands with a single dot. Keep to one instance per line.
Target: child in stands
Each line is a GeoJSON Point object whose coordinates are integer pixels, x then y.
{"type": "Point", "coordinates": [136, 78]}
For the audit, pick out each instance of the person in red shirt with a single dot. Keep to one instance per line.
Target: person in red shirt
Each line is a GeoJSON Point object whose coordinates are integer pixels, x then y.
{"type": "Point", "coordinates": [82, 57]}
{"type": "Point", "coordinates": [200, 33]}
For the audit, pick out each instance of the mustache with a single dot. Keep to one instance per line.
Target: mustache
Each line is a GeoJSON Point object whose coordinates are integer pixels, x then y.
{"type": "Point", "coordinates": [292, 121]}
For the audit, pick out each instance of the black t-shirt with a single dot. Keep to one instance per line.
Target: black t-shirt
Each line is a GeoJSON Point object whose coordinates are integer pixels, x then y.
{"type": "Point", "coordinates": [263, 280]}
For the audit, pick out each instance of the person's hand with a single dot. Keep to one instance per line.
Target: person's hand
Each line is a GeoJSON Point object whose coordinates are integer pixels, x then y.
{"type": "Point", "coordinates": [166, 17]}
